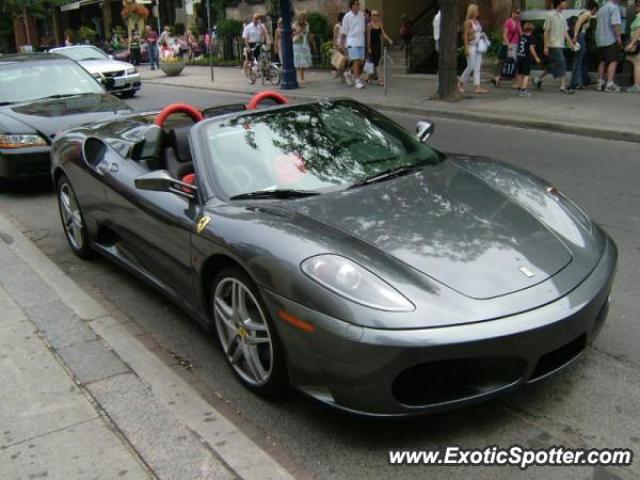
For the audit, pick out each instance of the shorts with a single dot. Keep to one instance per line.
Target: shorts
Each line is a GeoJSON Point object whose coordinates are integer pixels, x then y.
{"type": "Point", "coordinates": [355, 53]}
{"type": "Point", "coordinates": [524, 66]}
{"type": "Point", "coordinates": [610, 54]}
{"type": "Point", "coordinates": [557, 62]}
{"type": "Point", "coordinates": [634, 59]}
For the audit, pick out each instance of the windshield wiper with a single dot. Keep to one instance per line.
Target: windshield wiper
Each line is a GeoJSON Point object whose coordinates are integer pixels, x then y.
{"type": "Point", "coordinates": [387, 174]}
{"type": "Point", "coordinates": [2, 104]}
{"type": "Point", "coordinates": [279, 193]}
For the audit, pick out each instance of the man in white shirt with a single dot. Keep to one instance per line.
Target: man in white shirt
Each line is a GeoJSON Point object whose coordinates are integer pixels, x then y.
{"type": "Point", "coordinates": [353, 33]}
{"type": "Point", "coordinates": [254, 34]}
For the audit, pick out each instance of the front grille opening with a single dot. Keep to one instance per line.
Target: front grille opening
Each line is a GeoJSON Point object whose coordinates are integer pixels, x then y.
{"type": "Point", "coordinates": [449, 380]}
{"type": "Point", "coordinates": [559, 357]}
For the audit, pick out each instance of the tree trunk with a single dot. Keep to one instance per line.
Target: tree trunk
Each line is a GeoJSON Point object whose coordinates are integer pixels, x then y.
{"type": "Point", "coordinates": [448, 61]}
{"type": "Point", "coordinates": [25, 21]}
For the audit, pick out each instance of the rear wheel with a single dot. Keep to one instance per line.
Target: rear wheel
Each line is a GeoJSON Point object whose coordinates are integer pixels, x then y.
{"type": "Point", "coordinates": [72, 219]}
{"type": "Point", "coordinates": [246, 333]}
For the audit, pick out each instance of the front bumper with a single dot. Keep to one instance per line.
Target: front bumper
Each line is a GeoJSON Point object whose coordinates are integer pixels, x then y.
{"type": "Point", "coordinates": [126, 83]}
{"type": "Point", "coordinates": [404, 372]}
{"type": "Point", "coordinates": [24, 163]}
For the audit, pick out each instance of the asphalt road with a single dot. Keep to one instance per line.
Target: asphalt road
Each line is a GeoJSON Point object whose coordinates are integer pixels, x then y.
{"type": "Point", "coordinates": [596, 403]}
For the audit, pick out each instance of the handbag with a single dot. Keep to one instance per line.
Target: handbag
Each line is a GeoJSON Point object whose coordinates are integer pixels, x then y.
{"type": "Point", "coordinates": [369, 67]}
{"type": "Point", "coordinates": [483, 43]}
{"type": "Point", "coordinates": [338, 60]}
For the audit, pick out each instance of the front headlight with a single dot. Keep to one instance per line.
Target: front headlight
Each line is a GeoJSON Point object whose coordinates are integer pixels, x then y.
{"type": "Point", "coordinates": [131, 70]}
{"type": "Point", "coordinates": [356, 283]}
{"type": "Point", "coordinates": [21, 140]}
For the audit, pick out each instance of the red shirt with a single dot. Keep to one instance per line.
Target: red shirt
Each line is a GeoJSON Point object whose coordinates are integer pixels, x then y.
{"type": "Point", "coordinates": [513, 31]}
{"type": "Point", "coordinates": [152, 37]}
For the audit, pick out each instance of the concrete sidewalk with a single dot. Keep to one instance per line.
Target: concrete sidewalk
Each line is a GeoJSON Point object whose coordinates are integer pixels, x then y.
{"type": "Point", "coordinates": [82, 396]}
{"type": "Point", "coordinates": [588, 112]}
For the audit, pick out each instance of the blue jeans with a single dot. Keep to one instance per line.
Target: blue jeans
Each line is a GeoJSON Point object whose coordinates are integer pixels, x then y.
{"type": "Point", "coordinates": [154, 56]}
{"type": "Point", "coordinates": [579, 64]}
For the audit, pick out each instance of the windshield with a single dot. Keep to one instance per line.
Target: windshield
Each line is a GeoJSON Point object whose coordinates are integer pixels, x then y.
{"type": "Point", "coordinates": [32, 80]}
{"type": "Point", "coordinates": [82, 53]}
{"type": "Point", "coordinates": [318, 147]}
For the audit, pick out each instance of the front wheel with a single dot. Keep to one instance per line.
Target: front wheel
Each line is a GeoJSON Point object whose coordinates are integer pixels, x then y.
{"type": "Point", "coordinates": [274, 75]}
{"type": "Point", "coordinates": [128, 94]}
{"type": "Point", "coordinates": [246, 333]}
{"type": "Point", "coordinates": [72, 219]}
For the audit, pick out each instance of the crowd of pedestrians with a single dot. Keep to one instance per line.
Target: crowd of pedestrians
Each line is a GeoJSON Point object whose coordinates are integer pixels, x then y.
{"type": "Point", "coordinates": [519, 50]}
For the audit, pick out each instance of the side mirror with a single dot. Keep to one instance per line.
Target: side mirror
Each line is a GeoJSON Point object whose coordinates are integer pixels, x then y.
{"type": "Point", "coordinates": [424, 130]}
{"type": "Point", "coordinates": [161, 181]}
{"type": "Point", "coordinates": [108, 82]}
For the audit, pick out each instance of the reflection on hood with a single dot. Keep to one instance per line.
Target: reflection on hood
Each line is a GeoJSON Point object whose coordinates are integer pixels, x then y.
{"type": "Point", "coordinates": [60, 107]}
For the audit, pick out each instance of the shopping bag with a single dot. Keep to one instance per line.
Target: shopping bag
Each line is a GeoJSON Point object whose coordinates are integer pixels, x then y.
{"type": "Point", "coordinates": [338, 60]}
{"type": "Point", "coordinates": [369, 67]}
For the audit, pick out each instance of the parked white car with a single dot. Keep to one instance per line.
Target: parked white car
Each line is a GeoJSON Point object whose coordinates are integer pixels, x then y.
{"type": "Point", "coordinates": [126, 78]}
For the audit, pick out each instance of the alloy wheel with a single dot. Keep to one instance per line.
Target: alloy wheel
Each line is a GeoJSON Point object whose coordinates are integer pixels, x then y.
{"type": "Point", "coordinates": [71, 216]}
{"type": "Point", "coordinates": [243, 331]}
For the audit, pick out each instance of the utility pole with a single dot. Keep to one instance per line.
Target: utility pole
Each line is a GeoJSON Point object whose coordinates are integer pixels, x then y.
{"type": "Point", "coordinates": [289, 80]}
{"type": "Point", "coordinates": [448, 60]}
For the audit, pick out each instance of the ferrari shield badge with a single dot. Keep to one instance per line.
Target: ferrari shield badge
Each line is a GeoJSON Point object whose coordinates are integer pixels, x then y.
{"type": "Point", "coordinates": [202, 224]}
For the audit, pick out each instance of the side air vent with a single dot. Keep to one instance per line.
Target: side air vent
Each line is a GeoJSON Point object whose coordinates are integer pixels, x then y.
{"type": "Point", "coordinates": [94, 151]}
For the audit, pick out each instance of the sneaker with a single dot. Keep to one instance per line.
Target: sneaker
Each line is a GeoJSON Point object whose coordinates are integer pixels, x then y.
{"type": "Point", "coordinates": [359, 84]}
{"type": "Point", "coordinates": [611, 87]}
{"type": "Point", "coordinates": [524, 93]}
{"type": "Point", "coordinates": [348, 77]}
{"type": "Point", "coordinates": [537, 83]}
{"type": "Point", "coordinates": [634, 89]}
{"type": "Point", "coordinates": [601, 84]}
{"type": "Point", "coordinates": [568, 91]}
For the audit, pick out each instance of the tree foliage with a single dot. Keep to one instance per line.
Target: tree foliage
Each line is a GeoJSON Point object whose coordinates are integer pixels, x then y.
{"type": "Point", "coordinates": [37, 8]}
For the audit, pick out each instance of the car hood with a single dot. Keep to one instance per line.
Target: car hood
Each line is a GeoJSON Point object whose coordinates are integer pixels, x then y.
{"type": "Point", "coordinates": [104, 66]}
{"type": "Point", "coordinates": [450, 225]}
{"type": "Point", "coordinates": [51, 116]}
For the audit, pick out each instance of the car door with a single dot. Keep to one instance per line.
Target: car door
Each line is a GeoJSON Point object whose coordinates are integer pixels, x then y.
{"type": "Point", "coordinates": [153, 228]}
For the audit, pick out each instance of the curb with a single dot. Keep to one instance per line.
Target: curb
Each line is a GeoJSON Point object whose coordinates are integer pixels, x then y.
{"type": "Point", "coordinates": [545, 125]}
{"type": "Point", "coordinates": [228, 445]}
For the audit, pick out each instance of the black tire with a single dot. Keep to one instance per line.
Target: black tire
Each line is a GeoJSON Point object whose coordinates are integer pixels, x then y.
{"type": "Point", "coordinates": [277, 381]}
{"type": "Point", "coordinates": [78, 243]}
{"type": "Point", "coordinates": [128, 94]}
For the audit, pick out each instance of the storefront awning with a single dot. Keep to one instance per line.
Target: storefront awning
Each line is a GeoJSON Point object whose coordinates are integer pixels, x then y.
{"type": "Point", "coordinates": [79, 4]}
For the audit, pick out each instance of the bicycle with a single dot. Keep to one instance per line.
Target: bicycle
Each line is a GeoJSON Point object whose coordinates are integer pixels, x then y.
{"type": "Point", "coordinates": [263, 68]}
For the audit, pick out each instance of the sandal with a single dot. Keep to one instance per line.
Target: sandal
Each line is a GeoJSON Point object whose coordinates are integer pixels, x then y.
{"type": "Point", "coordinates": [481, 90]}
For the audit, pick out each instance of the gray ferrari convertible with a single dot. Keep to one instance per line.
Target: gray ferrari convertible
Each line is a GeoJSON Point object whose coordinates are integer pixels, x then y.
{"type": "Point", "coordinates": [335, 252]}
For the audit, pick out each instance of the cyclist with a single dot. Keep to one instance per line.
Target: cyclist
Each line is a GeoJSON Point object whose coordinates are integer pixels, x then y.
{"type": "Point", "coordinates": [255, 35]}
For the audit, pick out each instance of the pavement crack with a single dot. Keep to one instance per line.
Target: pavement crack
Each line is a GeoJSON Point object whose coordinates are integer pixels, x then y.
{"type": "Point", "coordinates": [52, 432]}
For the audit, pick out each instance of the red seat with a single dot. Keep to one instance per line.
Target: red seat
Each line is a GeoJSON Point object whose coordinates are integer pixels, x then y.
{"type": "Point", "coordinates": [190, 178]}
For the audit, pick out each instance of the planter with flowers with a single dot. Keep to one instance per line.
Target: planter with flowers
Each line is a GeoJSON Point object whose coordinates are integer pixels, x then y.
{"type": "Point", "coordinates": [172, 65]}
